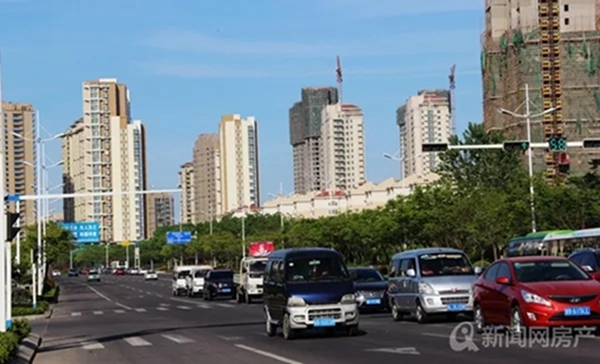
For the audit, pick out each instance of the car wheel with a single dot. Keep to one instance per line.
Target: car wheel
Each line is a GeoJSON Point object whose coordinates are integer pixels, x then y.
{"type": "Point", "coordinates": [352, 330]}
{"type": "Point", "coordinates": [478, 319]}
{"type": "Point", "coordinates": [420, 314]}
{"type": "Point", "coordinates": [396, 314]}
{"type": "Point", "coordinates": [288, 332]}
{"type": "Point", "coordinates": [517, 325]}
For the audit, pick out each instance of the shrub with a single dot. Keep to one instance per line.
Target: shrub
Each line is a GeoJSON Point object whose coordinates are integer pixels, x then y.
{"type": "Point", "coordinates": [9, 341]}
{"type": "Point", "coordinates": [42, 306]}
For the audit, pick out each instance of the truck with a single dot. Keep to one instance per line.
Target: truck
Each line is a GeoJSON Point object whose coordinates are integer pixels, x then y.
{"type": "Point", "coordinates": [249, 281]}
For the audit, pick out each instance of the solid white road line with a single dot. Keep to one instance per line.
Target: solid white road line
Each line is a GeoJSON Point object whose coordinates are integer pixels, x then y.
{"type": "Point", "coordinates": [268, 355]}
{"type": "Point", "coordinates": [122, 305]}
{"type": "Point", "coordinates": [76, 314]}
{"type": "Point", "coordinates": [98, 313]}
{"type": "Point", "coordinates": [204, 306]}
{"type": "Point", "coordinates": [432, 334]}
{"type": "Point", "coordinates": [137, 341]}
{"type": "Point", "coordinates": [140, 309]}
{"type": "Point", "coordinates": [162, 309]}
{"type": "Point", "coordinates": [227, 305]}
{"type": "Point", "coordinates": [92, 345]}
{"type": "Point", "coordinates": [98, 293]}
{"type": "Point", "coordinates": [119, 311]}
{"type": "Point", "coordinates": [184, 307]}
{"type": "Point", "coordinates": [178, 339]}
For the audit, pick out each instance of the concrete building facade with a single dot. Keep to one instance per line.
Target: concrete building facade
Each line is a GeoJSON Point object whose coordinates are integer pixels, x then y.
{"type": "Point", "coordinates": [207, 178]}
{"type": "Point", "coordinates": [160, 212]}
{"type": "Point", "coordinates": [187, 197]}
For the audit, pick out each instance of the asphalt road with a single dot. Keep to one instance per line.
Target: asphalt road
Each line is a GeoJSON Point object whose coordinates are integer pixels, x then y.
{"type": "Point", "coordinates": [124, 319]}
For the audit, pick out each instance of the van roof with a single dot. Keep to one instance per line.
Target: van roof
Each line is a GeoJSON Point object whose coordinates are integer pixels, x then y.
{"type": "Point", "coordinates": [415, 252]}
{"type": "Point", "coordinates": [302, 252]}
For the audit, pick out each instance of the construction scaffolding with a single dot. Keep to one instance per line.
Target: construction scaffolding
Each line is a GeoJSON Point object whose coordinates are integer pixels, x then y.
{"type": "Point", "coordinates": [562, 69]}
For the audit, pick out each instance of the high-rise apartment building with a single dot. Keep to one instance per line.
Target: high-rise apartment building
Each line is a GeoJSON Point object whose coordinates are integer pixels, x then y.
{"type": "Point", "coordinates": [343, 147]}
{"type": "Point", "coordinates": [20, 157]}
{"type": "Point", "coordinates": [105, 151]}
{"type": "Point", "coordinates": [239, 162]}
{"type": "Point", "coordinates": [425, 118]}
{"type": "Point", "coordinates": [187, 197]}
{"type": "Point", "coordinates": [305, 137]}
{"type": "Point", "coordinates": [160, 211]}
{"type": "Point", "coordinates": [207, 178]}
{"type": "Point", "coordinates": [551, 47]}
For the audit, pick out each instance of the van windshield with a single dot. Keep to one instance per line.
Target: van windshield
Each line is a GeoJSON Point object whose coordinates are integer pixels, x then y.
{"type": "Point", "coordinates": [444, 264]}
{"type": "Point", "coordinates": [183, 274]}
{"type": "Point", "coordinates": [200, 273]}
{"type": "Point", "coordinates": [316, 269]}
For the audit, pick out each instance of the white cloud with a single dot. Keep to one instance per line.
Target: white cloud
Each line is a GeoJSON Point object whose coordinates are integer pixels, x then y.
{"type": "Point", "coordinates": [164, 68]}
{"type": "Point", "coordinates": [451, 41]}
{"type": "Point", "coordinates": [391, 8]}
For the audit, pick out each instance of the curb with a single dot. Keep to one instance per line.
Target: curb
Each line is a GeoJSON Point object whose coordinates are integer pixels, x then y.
{"type": "Point", "coordinates": [45, 315]}
{"type": "Point", "coordinates": [27, 350]}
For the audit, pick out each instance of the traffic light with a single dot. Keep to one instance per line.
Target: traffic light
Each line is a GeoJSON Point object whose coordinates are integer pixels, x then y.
{"type": "Point", "coordinates": [515, 145]}
{"type": "Point", "coordinates": [11, 230]}
{"type": "Point", "coordinates": [435, 147]}
{"type": "Point", "coordinates": [591, 143]}
{"type": "Point", "coordinates": [557, 144]}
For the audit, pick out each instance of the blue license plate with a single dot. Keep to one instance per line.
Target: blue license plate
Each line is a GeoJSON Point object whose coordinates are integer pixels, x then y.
{"type": "Point", "coordinates": [226, 290]}
{"type": "Point", "coordinates": [324, 322]}
{"type": "Point", "coordinates": [456, 307]}
{"type": "Point", "coordinates": [374, 301]}
{"type": "Point", "coordinates": [578, 311]}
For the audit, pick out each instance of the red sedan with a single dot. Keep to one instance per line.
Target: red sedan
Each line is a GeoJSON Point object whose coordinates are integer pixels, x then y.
{"type": "Point", "coordinates": [536, 291]}
{"type": "Point", "coordinates": [119, 272]}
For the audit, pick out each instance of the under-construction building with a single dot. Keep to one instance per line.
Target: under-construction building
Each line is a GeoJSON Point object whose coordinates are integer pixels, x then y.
{"type": "Point", "coordinates": [553, 46]}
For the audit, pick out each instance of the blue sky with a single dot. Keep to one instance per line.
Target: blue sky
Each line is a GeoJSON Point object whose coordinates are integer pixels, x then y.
{"type": "Point", "coordinates": [188, 62]}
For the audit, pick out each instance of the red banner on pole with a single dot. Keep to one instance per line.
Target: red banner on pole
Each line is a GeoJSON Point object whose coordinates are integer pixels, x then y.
{"type": "Point", "coordinates": [260, 248]}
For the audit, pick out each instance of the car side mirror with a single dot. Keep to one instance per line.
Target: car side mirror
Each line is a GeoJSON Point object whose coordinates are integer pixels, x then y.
{"type": "Point", "coordinates": [411, 273]}
{"type": "Point", "coordinates": [478, 270]}
{"type": "Point", "coordinates": [503, 281]}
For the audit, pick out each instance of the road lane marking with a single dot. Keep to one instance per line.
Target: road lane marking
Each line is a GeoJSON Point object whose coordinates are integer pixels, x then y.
{"type": "Point", "coordinates": [204, 306]}
{"type": "Point", "coordinates": [148, 293]}
{"type": "Point", "coordinates": [119, 311]}
{"type": "Point", "coordinates": [92, 345]}
{"type": "Point", "coordinates": [137, 341]}
{"type": "Point", "coordinates": [165, 304]}
{"type": "Point", "coordinates": [410, 350]}
{"type": "Point", "coordinates": [76, 314]}
{"type": "Point", "coordinates": [178, 339]}
{"type": "Point", "coordinates": [98, 313]}
{"type": "Point", "coordinates": [162, 309]}
{"type": "Point", "coordinates": [230, 338]}
{"type": "Point", "coordinates": [98, 293]}
{"type": "Point", "coordinates": [140, 309]}
{"type": "Point", "coordinates": [184, 307]}
{"type": "Point", "coordinates": [122, 305]}
{"type": "Point", "coordinates": [141, 296]}
{"type": "Point", "coordinates": [226, 305]}
{"type": "Point", "coordinates": [432, 334]}
{"type": "Point", "coordinates": [160, 295]}
{"type": "Point", "coordinates": [268, 354]}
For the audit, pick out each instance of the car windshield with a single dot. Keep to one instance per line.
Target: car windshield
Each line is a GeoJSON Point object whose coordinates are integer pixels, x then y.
{"type": "Point", "coordinates": [316, 269]}
{"type": "Point", "coordinates": [258, 266]}
{"type": "Point", "coordinates": [221, 276]}
{"type": "Point", "coordinates": [445, 264]}
{"type": "Point", "coordinates": [93, 272]}
{"type": "Point", "coordinates": [183, 274]}
{"type": "Point", "coordinates": [200, 273]}
{"type": "Point", "coordinates": [150, 272]}
{"type": "Point", "coordinates": [366, 275]}
{"type": "Point", "coordinates": [548, 271]}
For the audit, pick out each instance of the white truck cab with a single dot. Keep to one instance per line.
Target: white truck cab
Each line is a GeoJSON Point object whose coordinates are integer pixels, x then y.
{"type": "Point", "coordinates": [249, 280]}
{"type": "Point", "coordinates": [180, 273]}
{"type": "Point", "coordinates": [195, 281]}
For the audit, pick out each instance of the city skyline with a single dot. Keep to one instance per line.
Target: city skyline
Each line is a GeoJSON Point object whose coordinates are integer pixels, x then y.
{"type": "Point", "coordinates": [184, 99]}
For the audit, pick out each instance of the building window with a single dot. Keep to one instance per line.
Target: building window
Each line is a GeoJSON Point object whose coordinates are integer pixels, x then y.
{"type": "Point", "coordinates": [566, 7]}
{"type": "Point", "coordinates": [566, 21]}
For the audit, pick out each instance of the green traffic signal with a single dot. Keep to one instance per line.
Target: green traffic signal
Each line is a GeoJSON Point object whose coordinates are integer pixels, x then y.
{"type": "Point", "coordinates": [557, 144]}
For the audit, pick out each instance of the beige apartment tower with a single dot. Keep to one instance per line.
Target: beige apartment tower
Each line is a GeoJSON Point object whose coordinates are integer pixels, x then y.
{"type": "Point", "coordinates": [425, 118]}
{"type": "Point", "coordinates": [160, 212]}
{"type": "Point", "coordinates": [105, 151]}
{"type": "Point", "coordinates": [20, 158]}
{"type": "Point", "coordinates": [239, 162]}
{"type": "Point", "coordinates": [187, 197]}
{"type": "Point", "coordinates": [206, 178]}
{"type": "Point", "coordinates": [343, 147]}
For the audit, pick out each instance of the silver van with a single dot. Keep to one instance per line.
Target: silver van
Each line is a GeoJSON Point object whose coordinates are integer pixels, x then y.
{"type": "Point", "coordinates": [433, 281]}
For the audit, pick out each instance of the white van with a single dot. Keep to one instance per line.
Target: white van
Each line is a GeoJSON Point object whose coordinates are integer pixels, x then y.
{"type": "Point", "coordinates": [180, 273]}
{"type": "Point", "coordinates": [195, 281]}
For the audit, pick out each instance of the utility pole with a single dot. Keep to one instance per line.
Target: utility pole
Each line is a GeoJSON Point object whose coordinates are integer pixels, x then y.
{"type": "Point", "coordinates": [3, 260]}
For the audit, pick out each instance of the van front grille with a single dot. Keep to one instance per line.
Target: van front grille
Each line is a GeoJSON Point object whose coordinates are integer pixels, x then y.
{"type": "Point", "coordinates": [459, 299]}
{"type": "Point", "coordinates": [334, 313]}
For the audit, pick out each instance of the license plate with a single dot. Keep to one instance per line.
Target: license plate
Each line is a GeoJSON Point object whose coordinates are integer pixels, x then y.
{"type": "Point", "coordinates": [456, 307]}
{"type": "Point", "coordinates": [374, 301]}
{"type": "Point", "coordinates": [324, 322]}
{"type": "Point", "coordinates": [226, 290]}
{"type": "Point", "coordinates": [578, 311]}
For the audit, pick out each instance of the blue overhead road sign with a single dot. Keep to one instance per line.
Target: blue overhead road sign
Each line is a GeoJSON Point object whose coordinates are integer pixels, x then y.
{"type": "Point", "coordinates": [83, 232]}
{"type": "Point", "coordinates": [12, 198]}
{"type": "Point", "coordinates": [178, 237]}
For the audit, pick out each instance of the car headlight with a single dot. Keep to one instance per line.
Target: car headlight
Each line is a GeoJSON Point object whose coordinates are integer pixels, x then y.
{"type": "Point", "coordinates": [296, 302]}
{"type": "Point", "coordinates": [534, 298]}
{"type": "Point", "coordinates": [360, 296]}
{"type": "Point", "coordinates": [348, 298]}
{"type": "Point", "coordinates": [425, 288]}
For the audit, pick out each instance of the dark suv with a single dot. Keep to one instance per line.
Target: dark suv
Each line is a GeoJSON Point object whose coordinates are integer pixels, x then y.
{"type": "Point", "coordinates": [219, 283]}
{"type": "Point", "coordinates": [73, 273]}
{"type": "Point", "coordinates": [588, 260]}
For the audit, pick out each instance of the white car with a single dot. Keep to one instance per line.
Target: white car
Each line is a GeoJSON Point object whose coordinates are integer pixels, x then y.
{"type": "Point", "coordinates": [143, 272]}
{"type": "Point", "coordinates": [56, 273]}
{"type": "Point", "coordinates": [151, 276]}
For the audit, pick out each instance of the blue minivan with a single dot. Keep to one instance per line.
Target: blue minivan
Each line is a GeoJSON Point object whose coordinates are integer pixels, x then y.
{"type": "Point", "coordinates": [308, 288]}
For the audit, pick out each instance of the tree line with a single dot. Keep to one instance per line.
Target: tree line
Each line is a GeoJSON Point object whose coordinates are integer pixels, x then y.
{"type": "Point", "coordinates": [480, 202]}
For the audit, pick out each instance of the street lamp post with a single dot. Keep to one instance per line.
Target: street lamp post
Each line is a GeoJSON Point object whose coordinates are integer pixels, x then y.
{"type": "Point", "coordinates": [528, 116]}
